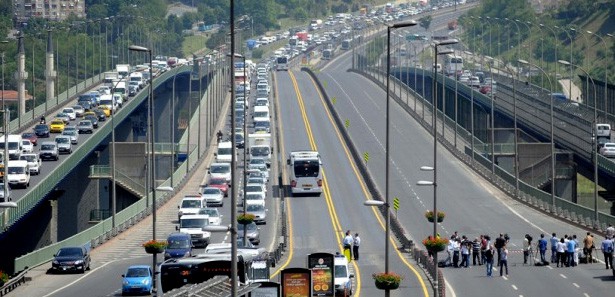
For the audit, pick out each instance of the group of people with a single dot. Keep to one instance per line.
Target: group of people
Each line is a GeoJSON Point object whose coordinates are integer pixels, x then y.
{"type": "Point", "coordinates": [351, 245]}
{"type": "Point", "coordinates": [564, 251]}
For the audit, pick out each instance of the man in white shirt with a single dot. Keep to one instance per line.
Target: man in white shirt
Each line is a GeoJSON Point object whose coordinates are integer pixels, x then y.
{"type": "Point", "coordinates": [348, 244]}
{"type": "Point", "coordinates": [355, 246]}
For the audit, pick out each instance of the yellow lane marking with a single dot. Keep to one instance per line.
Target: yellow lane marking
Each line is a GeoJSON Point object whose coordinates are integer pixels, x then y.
{"type": "Point", "coordinates": [366, 193]}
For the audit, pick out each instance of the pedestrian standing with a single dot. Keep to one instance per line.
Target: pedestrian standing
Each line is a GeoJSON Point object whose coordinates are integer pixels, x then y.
{"type": "Point", "coordinates": [348, 245]}
{"type": "Point", "coordinates": [570, 248]}
{"type": "Point", "coordinates": [466, 245]}
{"type": "Point", "coordinates": [483, 247]}
{"type": "Point", "coordinates": [504, 261]}
{"type": "Point", "coordinates": [355, 246]}
{"type": "Point", "coordinates": [476, 252]}
{"type": "Point", "coordinates": [588, 247]}
{"type": "Point", "coordinates": [527, 243]}
{"type": "Point", "coordinates": [489, 256]}
{"type": "Point", "coordinates": [607, 250]}
{"type": "Point", "coordinates": [610, 231]}
{"type": "Point", "coordinates": [554, 240]}
{"type": "Point", "coordinates": [456, 248]}
{"type": "Point", "coordinates": [561, 252]}
{"type": "Point", "coordinates": [499, 243]}
{"type": "Point", "coordinates": [542, 248]}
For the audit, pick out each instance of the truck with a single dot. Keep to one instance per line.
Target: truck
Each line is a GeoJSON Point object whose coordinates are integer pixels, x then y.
{"type": "Point", "coordinates": [452, 25]}
{"type": "Point", "coordinates": [259, 145]}
{"type": "Point", "coordinates": [109, 77]}
{"type": "Point", "coordinates": [315, 24]}
{"type": "Point", "coordinates": [303, 36]}
{"type": "Point", "coordinates": [252, 44]}
{"type": "Point", "coordinates": [123, 70]}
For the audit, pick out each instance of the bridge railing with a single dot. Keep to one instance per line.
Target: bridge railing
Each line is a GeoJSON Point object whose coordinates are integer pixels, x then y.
{"type": "Point", "coordinates": [503, 179]}
{"type": "Point", "coordinates": [125, 218]}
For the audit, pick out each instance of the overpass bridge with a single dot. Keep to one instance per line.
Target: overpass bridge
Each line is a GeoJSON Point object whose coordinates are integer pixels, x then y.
{"type": "Point", "coordinates": [66, 188]}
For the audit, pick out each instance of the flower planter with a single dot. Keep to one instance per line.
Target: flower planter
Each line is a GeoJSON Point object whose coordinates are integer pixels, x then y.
{"type": "Point", "coordinates": [435, 245]}
{"type": "Point", "coordinates": [430, 216]}
{"type": "Point", "coordinates": [245, 219]}
{"type": "Point", "coordinates": [154, 249]}
{"type": "Point", "coordinates": [436, 248]}
{"type": "Point", "coordinates": [386, 285]}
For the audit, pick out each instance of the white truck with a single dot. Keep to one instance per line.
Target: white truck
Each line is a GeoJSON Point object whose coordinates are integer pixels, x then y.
{"type": "Point", "coordinates": [259, 145]}
{"type": "Point", "coordinates": [109, 77]}
{"type": "Point", "coordinates": [315, 24]}
{"type": "Point", "coordinates": [123, 70]}
{"type": "Point", "coordinates": [195, 226]}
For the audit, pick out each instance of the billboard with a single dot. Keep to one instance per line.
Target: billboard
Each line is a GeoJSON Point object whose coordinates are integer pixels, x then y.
{"type": "Point", "coordinates": [322, 266]}
{"type": "Point", "coordinates": [296, 282]}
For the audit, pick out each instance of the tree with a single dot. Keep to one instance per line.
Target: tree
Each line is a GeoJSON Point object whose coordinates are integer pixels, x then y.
{"type": "Point", "coordinates": [425, 22]}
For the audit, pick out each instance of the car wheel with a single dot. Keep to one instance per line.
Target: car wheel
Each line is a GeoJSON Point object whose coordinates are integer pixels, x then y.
{"type": "Point", "coordinates": [56, 158]}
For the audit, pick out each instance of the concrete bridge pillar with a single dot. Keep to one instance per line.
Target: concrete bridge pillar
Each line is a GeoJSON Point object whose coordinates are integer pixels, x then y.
{"type": "Point", "coordinates": [53, 221]}
{"type": "Point", "coordinates": [21, 75]}
{"type": "Point", "coordinates": [50, 73]}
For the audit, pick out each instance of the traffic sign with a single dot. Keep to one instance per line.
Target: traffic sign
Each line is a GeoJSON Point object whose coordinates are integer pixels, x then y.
{"type": "Point", "coordinates": [347, 123]}
{"type": "Point", "coordinates": [366, 156]}
{"type": "Point", "coordinates": [396, 203]}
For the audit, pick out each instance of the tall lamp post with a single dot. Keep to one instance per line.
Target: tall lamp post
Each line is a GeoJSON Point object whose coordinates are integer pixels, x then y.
{"type": "Point", "coordinates": [606, 72]}
{"type": "Point", "coordinates": [434, 183]}
{"type": "Point", "coordinates": [233, 227]}
{"type": "Point", "coordinates": [152, 154]}
{"type": "Point", "coordinates": [530, 65]}
{"type": "Point", "coordinates": [386, 203]}
{"type": "Point", "coordinates": [595, 139]}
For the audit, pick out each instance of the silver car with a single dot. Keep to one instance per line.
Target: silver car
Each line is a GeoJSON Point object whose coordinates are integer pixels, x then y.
{"type": "Point", "coordinates": [49, 151]}
{"type": "Point", "coordinates": [71, 131]}
{"type": "Point", "coordinates": [258, 210]}
{"type": "Point", "coordinates": [252, 231]}
{"type": "Point", "coordinates": [64, 144]}
{"type": "Point", "coordinates": [213, 196]}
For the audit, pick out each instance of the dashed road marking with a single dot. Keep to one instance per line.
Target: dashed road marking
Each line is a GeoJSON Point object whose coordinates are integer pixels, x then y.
{"type": "Point", "coordinates": [563, 276]}
{"type": "Point", "coordinates": [514, 287]}
{"type": "Point", "coordinates": [576, 285]}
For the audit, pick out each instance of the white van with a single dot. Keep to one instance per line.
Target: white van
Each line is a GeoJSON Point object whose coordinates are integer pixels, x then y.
{"type": "Point", "coordinates": [18, 174]}
{"type": "Point", "coordinates": [14, 146]}
{"type": "Point", "coordinates": [261, 113]}
{"type": "Point", "coordinates": [225, 152]}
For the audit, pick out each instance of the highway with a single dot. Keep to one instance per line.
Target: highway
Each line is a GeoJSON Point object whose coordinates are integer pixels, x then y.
{"type": "Point", "coordinates": [472, 206]}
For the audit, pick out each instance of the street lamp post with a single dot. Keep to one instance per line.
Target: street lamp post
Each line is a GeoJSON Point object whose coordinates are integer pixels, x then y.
{"type": "Point", "coordinates": [492, 120]}
{"type": "Point", "coordinates": [570, 84]}
{"type": "Point", "coordinates": [404, 24]}
{"type": "Point", "coordinates": [233, 227]}
{"type": "Point", "coordinates": [514, 79]}
{"type": "Point", "coordinates": [553, 157]}
{"type": "Point", "coordinates": [152, 153]}
{"type": "Point", "coordinates": [595, 150]}
{"type": "Point", "coordinates": [606, 72]}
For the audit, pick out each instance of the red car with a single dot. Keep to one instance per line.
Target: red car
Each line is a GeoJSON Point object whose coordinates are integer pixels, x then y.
{"type": "Point", "coordinates": [485, 90]}
{"type": "Point", "coordinates": [219, 183]}
{"type": "Point", "coordinates": [30, 136]}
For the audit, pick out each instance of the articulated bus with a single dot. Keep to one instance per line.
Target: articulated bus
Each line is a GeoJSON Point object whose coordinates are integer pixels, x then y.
{"type": "Point", "coordinates": [282, 63]}
{"type": "Point", "coordinates": [305, 173]}
{"type": "Point", "coordinates": [179, 272]}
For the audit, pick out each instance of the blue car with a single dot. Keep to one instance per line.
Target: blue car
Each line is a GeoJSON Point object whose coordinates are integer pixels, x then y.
{"type": "Point", "coordinates": [179, 246]}
{"type": "Point", "coordinates": [137, 280]}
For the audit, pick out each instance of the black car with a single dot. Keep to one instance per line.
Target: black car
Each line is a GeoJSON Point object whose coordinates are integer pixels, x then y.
{"type": "Point", "coordinates": [100, 115]}
{"type": "Point", "coordinates": [41, 130]}
{"type": "Point", "coordinates": [92, 119]}
{"type": "Point", "coordinates": [87, 105]}
{"type": "Point", "coordinates": [75, 258]}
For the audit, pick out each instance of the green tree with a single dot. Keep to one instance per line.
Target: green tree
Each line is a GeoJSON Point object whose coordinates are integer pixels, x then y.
{"type": "Point", "coordinates": [425, 22]}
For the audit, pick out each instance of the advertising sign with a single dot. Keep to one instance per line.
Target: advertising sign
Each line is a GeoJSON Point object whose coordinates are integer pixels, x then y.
{"type": "Point", "coordinates": [266, 289]}
{"type": "Point", "coordinates": [296, 282]}
{"type": "Point", "coordinates": [322, 266]}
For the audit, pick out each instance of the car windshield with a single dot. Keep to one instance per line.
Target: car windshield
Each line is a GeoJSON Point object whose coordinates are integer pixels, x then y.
{"type": "Point", "coordinates": [253, 197]}
{"type": "Point", "coordinates": [62, 140]}
{"type": "Point", "coordinates": [261, 114]}
{"type": "Point", "coordinates": [220, 169]}
{"type": "Point", "coordinates": [191, 204]}
{"type": "Point", "coordinates": [259, 151]}
{"type": "Point", "coordinates": [137, 272]}
{"type": "Point", "coordinates": [27, 135]}
{"type": "Point", "coordinates": [255, 207]}
{"type": "Point", "coordinates": [225, 151]}
{"type": "Point", "coordinates": [253, 188]}
{"type": "Point", "coordinates": [210, 191]}
{"type": "Point", "coordinates": [255, 180]}
{"type": "Point", "coordinates": [69, 133]}
{"type": "Point", "coordinates": [47, 147]}
{"type": "Point", "coordinates": [340, 271]}
{"type": "Point", "coordinates": [249, 227]}
{"type": "Point", "coordinates": [16, 170]}
{"type": "Point", "coordinates": [66, 110]}
{"type": "Point", "coordinates": [209, 211]}
{"type": "Point", "coordinates": [57, 122]}
{"type": "Point", "coordinates": [84, 123]}
{"type": "Point", "coordinates": [193, 223]}
{"type": "Point", "coordinates": [40, 127]}
{"type": "Point", "coordinates": [26, 142]}
{"type": "Point", "coordinates": [69, 252]}
{"type": "Point", "coordinates": [261, 124]}
{"type": "Point", "coordinates": [29, 158]}
{"type": "Point", "coordinates": [179, 244]}
{"type": "Point", "coordinates": [217, 181]}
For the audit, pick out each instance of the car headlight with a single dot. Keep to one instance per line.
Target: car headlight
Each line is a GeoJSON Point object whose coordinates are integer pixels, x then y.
{"type": "Point", "coordinates": [145, 281]}
{"type": "Point", "coordinates": [78, 262]}
{"type": "Point", "coordinates": [55, 262]}
{"type": "Point", "coordinates": [125, 283]}
{"type": "Point", "coordinates": [187, 254]}
{"type": "Point", "coordinates": [167, 255]}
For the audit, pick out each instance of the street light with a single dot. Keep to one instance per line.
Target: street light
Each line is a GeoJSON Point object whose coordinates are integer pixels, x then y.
{"type": "Point", "coordinates": [606, 50]}
{"type": "Point", "coordinates": [530, 65]}
{"type": "Point", "coordinates": [595, 140]}
{"type": "Point", "coordinates": [152, 153]}
{"type": "Point", "coordinates": [404, 24]}
{"type": "Point", "coordinates": [233, 226]}
{"type": "Point", "coordinates": [490, 59]}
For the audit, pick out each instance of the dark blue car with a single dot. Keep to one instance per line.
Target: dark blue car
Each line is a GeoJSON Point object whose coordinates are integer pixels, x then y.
{"type": "Point", "coordinates": [179, 246]}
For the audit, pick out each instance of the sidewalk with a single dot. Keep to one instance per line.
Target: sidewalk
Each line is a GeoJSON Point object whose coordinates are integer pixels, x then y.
{"type": "Point", "coordinates": [576, 91]}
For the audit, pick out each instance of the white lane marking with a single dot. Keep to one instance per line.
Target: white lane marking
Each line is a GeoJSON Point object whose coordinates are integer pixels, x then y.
{"type": "Point", "coordinates": [562, 275]}
{"type": "Point", "coordinates": [576, 285]}
{"type": "Point", "coordinates": [449, 289]}
{"type": "Point", "coordinates": [514, 287]}
{"type": "Point", "coordinates": [505, 277]}
{"type": "Point", "coordinates": [585, 294]}
{"type": "Point", "coordinates": [82, 277]}
{"type": "Point", "coordinates": [550, 267]}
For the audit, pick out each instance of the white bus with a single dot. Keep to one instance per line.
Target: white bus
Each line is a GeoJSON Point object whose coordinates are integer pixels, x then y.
{"type": "Point", "coordinates": [305, 173]}
{"type": "Point", "coordinates": [453, 64]}
{"type": "Point", "coordinates": [282, 63]}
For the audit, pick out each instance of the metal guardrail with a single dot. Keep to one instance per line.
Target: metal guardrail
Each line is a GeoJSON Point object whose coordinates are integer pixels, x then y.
{"type": "Point", "coordinates": [14, 282]}
{"type": "Point", "coordinates": [104, 230]}
{"type": "Point", "coordinates": [36, 194]}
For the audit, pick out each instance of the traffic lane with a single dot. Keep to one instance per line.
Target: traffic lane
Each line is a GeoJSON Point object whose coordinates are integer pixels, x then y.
{"type": "Point", "coordinates": [486, 208]}
{"type": "Point", "coordinates": [348, 196]}
{"type": "Point", "coordinates": [312, 230]}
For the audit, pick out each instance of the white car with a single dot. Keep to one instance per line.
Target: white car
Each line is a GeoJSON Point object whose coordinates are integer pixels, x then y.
{"type": "Point", "coordinates": [256, 188]}
{"type": "Point", "coordinates": [212, 196]}
{"type": "Point", "coordinates": [253, 197]}
{"type": "Point", "coordinates": [221, 170]}
{"type": "Point", "coordinates": [34, 162]}
{"type": "Point", "coordinates": [343, 282]}
{"type": "Point", "coordinates": [26, 146]}
{"type": "Point", "coordinates": [608, 150]}
{"type": "Point", "coordinates": [260, 167]}
{"type": "Point", "coordinates": [215, 218]}
{"type": "Point", "coordinates": [72, 133]}
{"type": "Point", "coordinates": [190, 205]}
{"type": "Point", "coordinates": [72, 115]}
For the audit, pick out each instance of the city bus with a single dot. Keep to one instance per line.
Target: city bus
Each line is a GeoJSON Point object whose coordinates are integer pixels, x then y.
{"type": "Point", "coordinates": [305, 172]}
{"type": "Point", "coordinates": [453, 64]}
{"type": "Point", "coordinates": [347, 44]}
{"type": "Point", "coordinates": [282, 63]}
{"type": "Point", "coordinates": [176, 273]}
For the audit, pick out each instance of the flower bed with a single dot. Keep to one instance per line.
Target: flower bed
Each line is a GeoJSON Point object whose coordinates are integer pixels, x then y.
{"type": "Point", "coordinates": [435, 244]}
{"type": "Point", "coordinates": [155, 246]}
{"type": "Point", "coordinates": [245, 219]}
{"type": "Point", "coordinates": [430, 217]}
{"type": "Point", "coordinates": [387, 281]}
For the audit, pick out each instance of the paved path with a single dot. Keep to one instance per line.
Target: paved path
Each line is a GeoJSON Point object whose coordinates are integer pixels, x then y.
{"type": "Point", "coordinates": [576, 92]}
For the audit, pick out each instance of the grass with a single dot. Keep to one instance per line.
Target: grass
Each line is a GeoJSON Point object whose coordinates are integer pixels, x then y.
{"type": "Point", "coordinates": [192, 44]}
{"type": "Point", "coordinates": [585, 195]}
